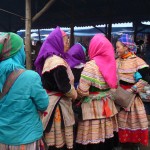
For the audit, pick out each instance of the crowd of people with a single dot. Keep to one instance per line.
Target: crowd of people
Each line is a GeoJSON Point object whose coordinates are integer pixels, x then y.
{"type": "Point", "coordinates": [67, 103]}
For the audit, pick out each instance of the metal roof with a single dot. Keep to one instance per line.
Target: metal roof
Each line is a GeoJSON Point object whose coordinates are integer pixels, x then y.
{"type": "Point", "coordinates": [77, 12]}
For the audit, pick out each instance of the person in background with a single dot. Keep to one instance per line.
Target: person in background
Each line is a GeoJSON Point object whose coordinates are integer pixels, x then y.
{"type": "Point", "coordinates": [37, 47]}
{"type": "Point", "coordinates": [98, 121]}
{"type": "Point", "coordinates": [76, 60]}
{"type": "Point", "coordinates": [20, 123]}
{"type": "Point", "coordinates": [133, 124]}
{"type": "Point", "coordinates": [146, 49]}
{"type": "Point", "coordinates": [140, 45]}
{"type": "Point", "coordinates": [35, 51]}
{"type": "Point", "coordinates": [58, 80]}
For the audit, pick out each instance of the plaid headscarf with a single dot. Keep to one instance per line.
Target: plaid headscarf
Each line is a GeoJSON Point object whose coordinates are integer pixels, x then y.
{"type": "Point", "coordinates": [128, 41]}
{"type": "Point", "coordinates": [10, 44]}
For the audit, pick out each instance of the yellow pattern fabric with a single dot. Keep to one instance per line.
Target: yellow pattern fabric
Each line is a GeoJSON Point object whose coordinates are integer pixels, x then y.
{"type": "Point", "coordinates": [95, 126]}
{"type": "Point", "coordinates": [127, 67]}
{"type": "Point", "coordinates": [59, 135]}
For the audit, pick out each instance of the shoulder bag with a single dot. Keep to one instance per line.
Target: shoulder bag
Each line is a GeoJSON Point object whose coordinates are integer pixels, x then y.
{"type": "Point", "coordinates": [10, 81]}
{"type": "Point", "coordinates": [122, 97]}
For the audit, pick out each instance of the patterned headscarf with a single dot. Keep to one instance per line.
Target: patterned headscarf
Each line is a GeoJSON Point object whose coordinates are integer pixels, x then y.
{"type": "Point", "coordinates": [12, 55]}
{"type": "Point", "coordinates": [10, 44]}
{"type": "Point", "coordinates": [128, 41]}
{"type": "Point", "coordinates": [102, 51]}
{"type": "Point", "coordinates": [53, 45]}
{"type": "Point", "coordinates": [76, 55]}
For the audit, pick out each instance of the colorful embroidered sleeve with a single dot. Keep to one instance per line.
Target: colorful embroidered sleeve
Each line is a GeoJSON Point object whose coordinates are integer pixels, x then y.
{"type": "Point", "coordinates": [52, 63]}
{"type": "Point", "coordinates": [141, 63]}
{"type": "Point", "coordinates": [85, 82]}
{"type": "Point", "coordinates": [139, 86]}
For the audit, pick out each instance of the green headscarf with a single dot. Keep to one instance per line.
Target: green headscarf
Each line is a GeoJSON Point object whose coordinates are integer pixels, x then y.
{"type": "Point", "coordinates": [10, 44]}
{"type": "Point", "coordinates": [12, 55]}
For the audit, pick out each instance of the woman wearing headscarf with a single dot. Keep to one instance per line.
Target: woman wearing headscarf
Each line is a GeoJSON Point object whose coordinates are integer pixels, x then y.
{"type": "Point", "coordinates": [58, 80]}
{"type": "Point", "coordinates": [76, 59]}
{"type": "Point", "coordinates": [133, 124]}
{"type": "Point", "coordinates": [20, 124]}
{"type": "Point", "coordinates": [98, 123]}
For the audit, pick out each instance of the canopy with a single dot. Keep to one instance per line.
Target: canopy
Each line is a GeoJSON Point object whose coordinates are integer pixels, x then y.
{"type": "Point", "coordinates": [66, 13]}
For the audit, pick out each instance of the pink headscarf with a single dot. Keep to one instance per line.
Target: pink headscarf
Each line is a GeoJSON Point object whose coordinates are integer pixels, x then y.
{"type": "Point", "coordinates": [102, 51]}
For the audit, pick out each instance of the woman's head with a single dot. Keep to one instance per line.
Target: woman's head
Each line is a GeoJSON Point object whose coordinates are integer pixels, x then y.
{"type": "Point", "coordinates": [12, 55]}
{"type": "Point", "coordinates": [66, 43]}
{"type": "Point", "coordinates": [125, 44]}
{"type": "Point", "coordinates": [121, 49]}
{"type": "Point", "coordinates": [76, 55]}
{"type": "Point", "coordinates": [10, 45]}
{"type": "Point", "coordinates": [65, 40]}
{"type": "Point", "coordinates": [102, 51]}
{"type": "Point", "coordinates": [53, 45]}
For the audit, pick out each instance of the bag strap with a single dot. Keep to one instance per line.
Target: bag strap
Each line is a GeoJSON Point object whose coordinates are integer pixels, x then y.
{"type": "Point", "coordinates": [10, 81]}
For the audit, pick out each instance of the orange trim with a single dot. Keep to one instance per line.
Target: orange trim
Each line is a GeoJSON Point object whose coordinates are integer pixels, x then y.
{"type": "Point", "coordinates": [22, 147]}
{"type": "Point", "coordinates": [57, 115]}
{"type": "Point", "coordinates": [106, 110]}
{"type": "Point", "coordinates": [94, 108]}
{"type": "Point", "coordinates": [126, 55]}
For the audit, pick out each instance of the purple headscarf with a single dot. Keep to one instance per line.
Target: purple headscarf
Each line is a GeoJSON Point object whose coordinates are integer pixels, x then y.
{"type": "Point", "coordinates": [75, 55]}
{"type": "Point", "coordinates": [53, 45]}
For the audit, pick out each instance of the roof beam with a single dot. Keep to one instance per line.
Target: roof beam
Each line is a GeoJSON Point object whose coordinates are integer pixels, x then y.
{"type": "Point", "coordinates": [45, 8]}
{"type": "Point", "coordinates": [6, 11]}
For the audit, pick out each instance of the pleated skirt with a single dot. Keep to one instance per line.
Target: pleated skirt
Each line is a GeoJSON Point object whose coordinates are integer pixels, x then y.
{"type": "Point", "coordinates": [96, 131]}
{"type": "Point", "coordinates": [133, 124]}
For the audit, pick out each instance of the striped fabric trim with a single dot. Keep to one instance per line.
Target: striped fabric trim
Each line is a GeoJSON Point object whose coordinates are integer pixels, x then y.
{"type": "Point", "coordinates": [92, 74]}
{"type": "Point", "coordinates": [127, 79]}
{"type": "Point", "coordinates": [93, 80]}
{"type": "Point", "coordinates": [96, 131]}
{"type": "Point", "coordinates": [127, 68]}
{"type": "Point", "coordinates": [31, 146]}
{"type": "Point", "coordinates": [134, 129]}
{"type": "Point", "coordinates": [142, 66]}
{"type": "Point", "coordinates": [52, 63]}
{"type": "Point", "coordinates": [59, 136]}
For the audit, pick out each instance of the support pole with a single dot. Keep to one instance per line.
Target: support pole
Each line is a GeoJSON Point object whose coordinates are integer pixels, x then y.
{"type": "Point", "coordinates": [72, 26]}
{"type": "Point", "coordinates": [106, 30]}
{"type": "Point", "coordinates": [44, 9]}
{"type": "Point", "coordinates": [28, 34]}
{"type": "Point", "coordinates": [39, 34]}
{"type": "Point", "coordinates": [72, 35]}
{"type": "Point", "coordinates": [135, 25]}
{"type": "Point", "coordinates": [109, 30]}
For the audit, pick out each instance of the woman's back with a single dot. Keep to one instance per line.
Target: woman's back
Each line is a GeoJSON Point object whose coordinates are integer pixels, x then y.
{"type": "Point", "coordinates": [92, 73]}
{"type": "Point", "coordinates": [19, 120]}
